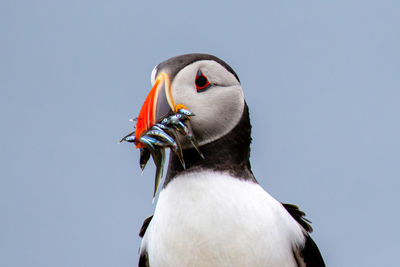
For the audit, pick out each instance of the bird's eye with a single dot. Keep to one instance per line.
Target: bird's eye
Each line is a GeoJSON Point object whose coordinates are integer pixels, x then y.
{"type": "Point", "coordinates": [201, 82]}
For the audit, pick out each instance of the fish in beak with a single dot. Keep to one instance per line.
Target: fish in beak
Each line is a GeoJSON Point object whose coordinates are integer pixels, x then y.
{"type": "Point", "coordinates": [158, 125]}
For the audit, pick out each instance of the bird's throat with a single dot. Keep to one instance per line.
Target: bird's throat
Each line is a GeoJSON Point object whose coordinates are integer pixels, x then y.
{"type": "Point", "coordinates": [230, 154]}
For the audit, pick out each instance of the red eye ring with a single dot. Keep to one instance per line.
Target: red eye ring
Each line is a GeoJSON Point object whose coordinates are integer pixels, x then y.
{"type": "Point", "coordinates": [201, 82]}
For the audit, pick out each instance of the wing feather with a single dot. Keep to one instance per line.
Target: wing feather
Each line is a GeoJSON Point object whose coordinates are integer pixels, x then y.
{"type": "Point", "coordinates": [308, 255]}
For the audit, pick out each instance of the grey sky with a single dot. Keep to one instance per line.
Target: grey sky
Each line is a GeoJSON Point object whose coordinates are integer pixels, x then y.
{"type": "Point", "coordinates": [321, 79]}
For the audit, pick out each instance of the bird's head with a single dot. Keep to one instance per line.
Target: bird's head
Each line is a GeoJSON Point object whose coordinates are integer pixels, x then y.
{"type": "Point", "coordinates": [204, 85]}
{"type": "Point", "coordinates": [196, 101]}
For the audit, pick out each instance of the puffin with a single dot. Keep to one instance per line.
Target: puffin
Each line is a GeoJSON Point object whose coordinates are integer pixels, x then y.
{"type": "Point", "coordinates": [211, 211]}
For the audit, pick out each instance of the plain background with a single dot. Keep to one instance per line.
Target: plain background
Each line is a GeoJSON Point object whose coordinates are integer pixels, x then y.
{"type": "Point", "coordinates": [321, 79]}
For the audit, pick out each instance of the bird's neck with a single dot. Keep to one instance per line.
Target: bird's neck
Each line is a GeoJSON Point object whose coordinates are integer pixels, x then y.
{"type": "Point", "coordinates": [230, 154]}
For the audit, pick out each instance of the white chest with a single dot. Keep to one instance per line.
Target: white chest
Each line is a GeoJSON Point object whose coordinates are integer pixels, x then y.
{"type": "Point", "coordinates": [212, 219]}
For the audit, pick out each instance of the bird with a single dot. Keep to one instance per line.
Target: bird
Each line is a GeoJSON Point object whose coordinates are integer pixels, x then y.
{"type": "Point", "coordinates": [211, 211]}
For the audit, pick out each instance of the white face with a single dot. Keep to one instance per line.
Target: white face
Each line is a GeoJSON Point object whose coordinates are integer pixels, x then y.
{"type": "Point", "coordinates": [217, 109]}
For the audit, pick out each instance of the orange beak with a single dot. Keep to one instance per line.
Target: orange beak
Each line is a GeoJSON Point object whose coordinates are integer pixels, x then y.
{"type": "Point", "coordinates": [158, 104]}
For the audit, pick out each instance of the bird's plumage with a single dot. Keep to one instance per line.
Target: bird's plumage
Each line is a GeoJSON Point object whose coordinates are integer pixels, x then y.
{"type": "Point", "coordinates": [219, 229]}
{"type": "Point", "coordinates": [213, 212]}
{"type": "Point", "coordinates": [193, 220]}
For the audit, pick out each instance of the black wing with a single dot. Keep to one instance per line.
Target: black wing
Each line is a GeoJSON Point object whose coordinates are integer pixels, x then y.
{"type": "Point", "coordinates": [144, 226]}
{"type": "Point", "coordinates": [299, 216]}
{"type": "Point", "coordinates": [143, 258]}
{"type": "Point", "coordinates": [308, 255]}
